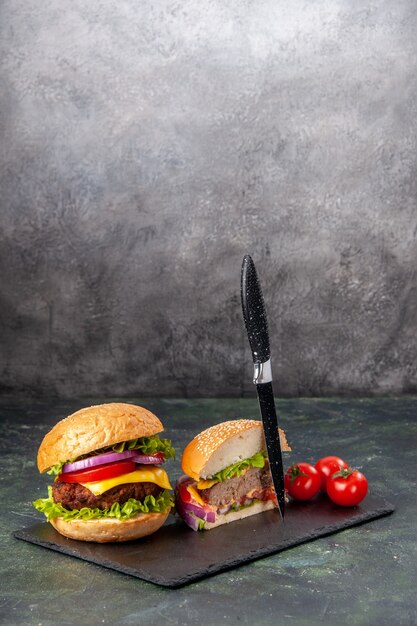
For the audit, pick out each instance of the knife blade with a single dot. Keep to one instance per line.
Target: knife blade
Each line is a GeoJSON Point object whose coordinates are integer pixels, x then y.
{"type": "Point", "coordinates": [254, 315]}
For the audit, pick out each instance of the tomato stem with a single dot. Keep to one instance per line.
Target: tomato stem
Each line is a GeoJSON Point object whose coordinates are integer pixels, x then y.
{"type": "Point", "coordinates": [294, 472]}
{"type": "Point", "coordinates": [343, 473]}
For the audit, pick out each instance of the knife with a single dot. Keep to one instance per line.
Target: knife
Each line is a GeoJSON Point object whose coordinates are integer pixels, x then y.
{"type": "Point", "coordinates": [256, 323]}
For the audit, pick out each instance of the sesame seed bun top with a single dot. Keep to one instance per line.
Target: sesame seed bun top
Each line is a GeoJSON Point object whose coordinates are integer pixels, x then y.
{"type": "Point", "coordinates": [93, 428]}
{"type": "Point", "coordinates": [224, 444]}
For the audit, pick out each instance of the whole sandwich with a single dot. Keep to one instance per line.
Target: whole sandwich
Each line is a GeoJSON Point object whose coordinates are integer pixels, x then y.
{"type": "Point", "coordinates": [109, 484]}
{"type": "Point", "coordinates": [227, 475]}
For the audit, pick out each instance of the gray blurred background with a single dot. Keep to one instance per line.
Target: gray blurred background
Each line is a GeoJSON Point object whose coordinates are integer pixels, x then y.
{"type": "Point", "coordinates": [147, 146]}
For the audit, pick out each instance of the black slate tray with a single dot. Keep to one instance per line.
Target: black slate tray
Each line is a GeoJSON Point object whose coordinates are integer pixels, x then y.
{"type": "Point", "coordinates": [177, 555]}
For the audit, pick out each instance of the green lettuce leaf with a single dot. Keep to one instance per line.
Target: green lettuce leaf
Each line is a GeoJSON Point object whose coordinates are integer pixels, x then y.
{"type": "Point", "coordinates": [147, 445]}
{"type": "Point", "coordinates": [144, 445]}
{"type": "Point", "coordinates": [150, 504]}
{"type": "Point", "coordinates": [235, 470]}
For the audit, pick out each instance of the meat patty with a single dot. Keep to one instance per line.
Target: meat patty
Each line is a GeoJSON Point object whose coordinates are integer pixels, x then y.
{"type": "Point", "coordinates": [75, 496]}
{"type": "Point", "coordinates": [235, 489]}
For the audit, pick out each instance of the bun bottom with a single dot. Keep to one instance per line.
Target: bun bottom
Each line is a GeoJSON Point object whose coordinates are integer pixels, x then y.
{"type": "Point", "coordinates": [108, 529]}
{"type": "Point", "coordinates": [258, 507]}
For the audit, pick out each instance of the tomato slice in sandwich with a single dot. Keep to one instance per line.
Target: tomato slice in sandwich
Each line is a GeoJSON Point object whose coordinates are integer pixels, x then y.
{"type": "Point", "coordinates": [101, 472]}
{"type": "Point", "coordinates": [183, 492]}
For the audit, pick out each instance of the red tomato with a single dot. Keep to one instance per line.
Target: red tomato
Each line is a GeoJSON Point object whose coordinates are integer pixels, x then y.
{"type": "Point", "coordinates": [101, 472]}
{"type": "Point", "coordinates": [182, 490]}
{"type": "Point", "coordinates": [347, 487]}
{"type": "Point", "coordinates": [184, 494]}
{"type": "Point", "coordinates": [302, 481]}
{"type": "Point", "coordinates": [327, 466]}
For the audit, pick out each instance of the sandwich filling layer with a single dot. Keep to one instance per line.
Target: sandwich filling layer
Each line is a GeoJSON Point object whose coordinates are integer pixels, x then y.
{"type": "Point", "coordinates": [128, 484]}
{"type": "Point", "coordinates": [159, 503]}
{"type": "Point", "coordinates": [255, 482]}
{"type": "Point", "coordinates": [200, 506]}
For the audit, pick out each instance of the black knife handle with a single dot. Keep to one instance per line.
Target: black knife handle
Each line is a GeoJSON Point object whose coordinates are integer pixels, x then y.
{"type": "Point", "coordinates": [254, 313]}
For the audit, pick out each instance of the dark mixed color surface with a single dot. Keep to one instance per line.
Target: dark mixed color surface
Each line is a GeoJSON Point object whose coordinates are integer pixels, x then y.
{"type": "Point", "coordinates": [363, 575]}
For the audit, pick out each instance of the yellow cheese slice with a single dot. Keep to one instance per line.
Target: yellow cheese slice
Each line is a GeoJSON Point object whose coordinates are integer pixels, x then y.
{"type": "Point", "coordinates": [142, 475]}
{"type": "Point", "coordinates": [193, 491]}
{"type": "Point", "coordinates": [206, 484]}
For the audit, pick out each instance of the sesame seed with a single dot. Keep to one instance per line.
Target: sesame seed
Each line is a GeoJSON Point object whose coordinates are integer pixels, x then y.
{"type": "Point", "coordinates": [208, 440]}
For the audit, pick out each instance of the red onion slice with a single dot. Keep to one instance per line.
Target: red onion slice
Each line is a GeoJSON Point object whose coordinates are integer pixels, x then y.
{"type": "Point", "coordinates": [147, 459]}
{"type": "Point", "coordinates": [111, 457]}
{"type": "Point", "coordinates": [192, 514]}
{"type": "Point", "coordinates": [188, 518]}
{"type": "Point", "coordinates": [99, 459]}
{"type": "Point", "coordinates": [187, 510]}
{"type": "Point", "coordinates": [205, 514]}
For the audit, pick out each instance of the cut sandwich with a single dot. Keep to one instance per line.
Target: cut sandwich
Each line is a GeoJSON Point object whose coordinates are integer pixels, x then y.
{"type": "Point", "coordinates": [227, 475]}
{"type": "Point", "coordinates": [109, 483]}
